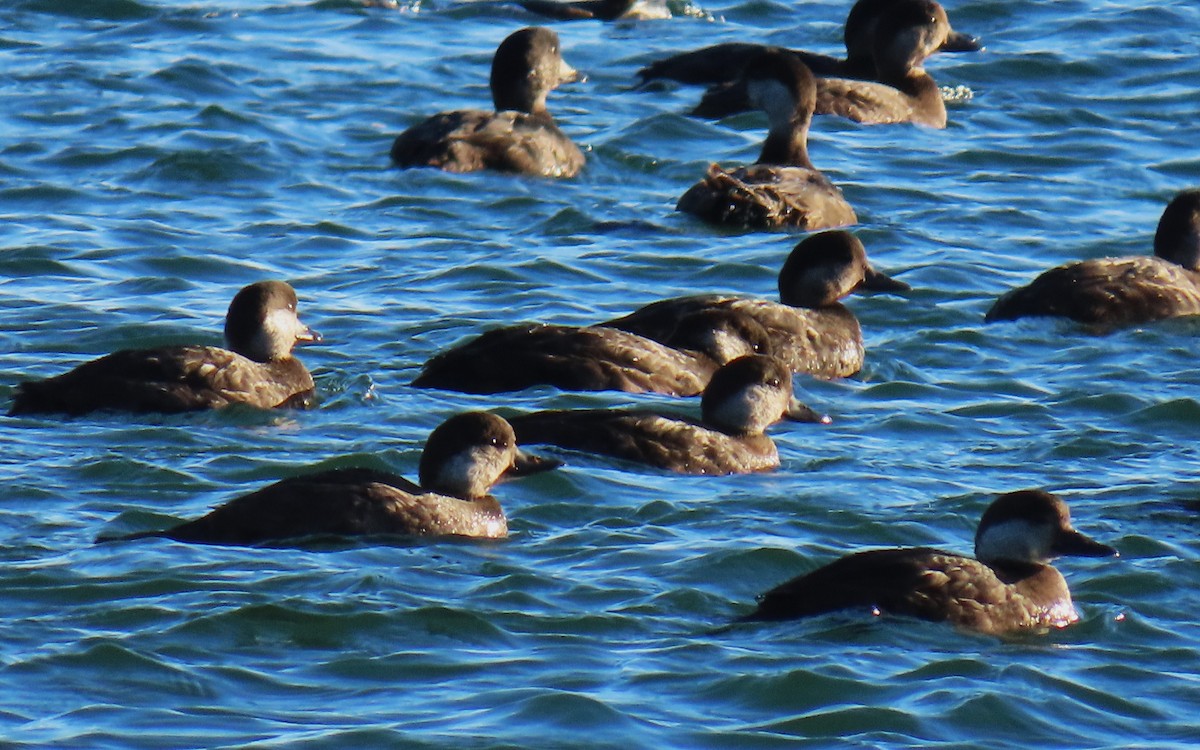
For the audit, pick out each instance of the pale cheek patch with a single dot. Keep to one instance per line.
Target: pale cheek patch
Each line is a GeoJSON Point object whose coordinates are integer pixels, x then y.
{"type": "Point", "coordinates": [1014, 540]}
{"type": "Point", "coordinates": [470, 472]}
{"type": "Point", "coordinates": [773, 98]}
{"type": "Point", "coordinates": [752, 410]}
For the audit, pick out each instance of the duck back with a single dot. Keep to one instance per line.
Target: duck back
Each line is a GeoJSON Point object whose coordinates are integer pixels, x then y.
{"type": "Point", "coordinates": [1106, 292]}
{"type": "Point", "coordinates": [569, 358]}
{"type": "Point", "coordinates": [673, 444]}
{"type": "Point", "coordinates": [471, 140]}
{"type": "Point", "coordinates": [768, 196]}
{"type": "Point", "coordinates": [342, 503]}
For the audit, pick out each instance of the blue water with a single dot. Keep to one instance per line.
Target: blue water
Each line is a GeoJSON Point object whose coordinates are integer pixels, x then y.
{"type": "Point", "coordinates": [155, 157]}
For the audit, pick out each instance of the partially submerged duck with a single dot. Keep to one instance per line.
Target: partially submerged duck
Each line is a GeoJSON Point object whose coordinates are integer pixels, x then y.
{"type": "Point", "coordinates": [908, 32]}
{"type": "Point", "coordinates": [520, 136]}
{"type": "Point", "coordinates": [808, 329]}
{"type": "Point", "coordinates": [1110, 292]}
{"type": "Point", "coordinates": [724, 63]}
{"type": "Point", "coordinates": [462, 459]}
{"type": "Point", "coordinates": [257, 369]}
{"type": "Point", "coordinates": [743, 398]}
{"type": "Point", "coordinates": [783, 188]}
{"type": "Point", "coordinates": [593, 358]}
{"type": "Point", "coordinates": [1008, 586]}
{"type": "Point", "coordinates": [580, 10]}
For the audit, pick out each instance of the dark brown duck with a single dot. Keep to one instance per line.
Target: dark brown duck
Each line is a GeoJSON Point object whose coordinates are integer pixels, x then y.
{"type": "Point", "coordinates": [594, 358]}
{"type": "Point", "coordinates": [257, 369]}
{"type": "Point", "coordinates": [1008, 586]}
{"type": "Point", "coordinates": [462, 459]}
{"type": "Point", "coordinates": [898, 90]}
{"type": "Point", "coordinates": [581, 10]}
{"type": "Point", "coordinates": [1112, 292]}
{"type": "Point", "coordinates": [808, 329]}
{"type": "Point", "coordinates": [520, 136]}
{"type": "Point", "coordinates": [783, 188]}
{"type": "Point", "coordinates": [743, 398]}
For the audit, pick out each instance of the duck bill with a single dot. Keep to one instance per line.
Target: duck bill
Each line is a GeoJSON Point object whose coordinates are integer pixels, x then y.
{"type": "Point", "coordinates": [877, 281]}
{"type": "Point", "coordinates": [1073, 543]}
{"type": "Point", "coordinates": [525, 464]}
{"type": "Point", "coordinates": [799, 412]}
{"type": "Point", "coordinates": [567, 74]}
{"type": "Point", "coordinates": [309, 336]}
{"type": "Point", "coordinates": [958, 42]}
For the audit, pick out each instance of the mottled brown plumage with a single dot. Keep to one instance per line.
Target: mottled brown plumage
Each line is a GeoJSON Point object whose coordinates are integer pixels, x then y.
{"type": "Point", "coordinates": [782, 189]}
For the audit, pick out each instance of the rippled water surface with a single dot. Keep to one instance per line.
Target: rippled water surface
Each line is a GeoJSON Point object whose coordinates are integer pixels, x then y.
{"type": "Point", "coordinates": [155, 157]}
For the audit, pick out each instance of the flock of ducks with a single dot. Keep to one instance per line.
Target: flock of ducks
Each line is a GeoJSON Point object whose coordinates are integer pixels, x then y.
{"type": "Point", "coordinates": [739, 354]}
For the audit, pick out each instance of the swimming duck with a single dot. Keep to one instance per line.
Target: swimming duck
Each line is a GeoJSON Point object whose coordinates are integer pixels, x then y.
{"type": "Point", "coordinates": [600, 10]}
{"type": "Point", "coordinates": [520, 136]}
{"type": "Point", "coordinates": [462, 459]}
{"type": "Point", "coordinates": [258, 369]}
{"type": "Point", "coordinates": [1110, 292]}
{"type": "Point", "coordinates": [724, 63]}
{"type": "Point", "coordinates": [783, 188]}
{"type": "Point", "coordinates": [808, 329]}
{"type": "Point", "coordinates": [1009, 585]}
{"type": "Point", "coordinates": [908, 32]}
{"type": "Point", "coordinates": [743, 398]}
{"type": "Point", "coordinates": [596, 358]}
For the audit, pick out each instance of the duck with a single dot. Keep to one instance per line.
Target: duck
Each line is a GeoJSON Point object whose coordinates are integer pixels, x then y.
{"type": "Point", "coordinates": [900, 90]}
{"type": "Point", "coordinates": [1009, 586]}
{"type": "Point", "coordinates": [724, 63]}
{"type": "Point", "coordinates": [582, 10]}
{"type": "Point", "coordinates": [783, 188]}
{"type": "Point", "coordinates": [520, 136]}
{"type": "Point", "coordinates": [742, 399]}
{"type": "Point", "coordinates": [1108, 293]}
{"type": "Point", "coordinates": [463, 457]}
{"type": "Point", "coordinates": [257, 370]}
{"type": "Point", "coordinates": [809, 330]}
{"type": "Point", "coordinates": [596, 358]}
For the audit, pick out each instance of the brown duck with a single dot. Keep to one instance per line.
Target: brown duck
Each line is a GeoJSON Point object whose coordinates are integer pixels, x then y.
{"type": "Point", "coordinates": [1008, 586]}
{"type": "Point", "coordinates": [257, 369]}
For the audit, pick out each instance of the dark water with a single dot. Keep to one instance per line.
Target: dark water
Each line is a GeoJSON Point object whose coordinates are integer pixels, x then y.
{"type": "Point", "coordinates": [155, 157]}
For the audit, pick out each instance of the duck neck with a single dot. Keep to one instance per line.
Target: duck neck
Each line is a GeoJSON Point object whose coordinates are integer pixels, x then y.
{"type": "Point", "coordinates": [520, 98]}
{"type": "Point", "coordinates": [1012, 571]}
{"type": "Point", "coordinates": [787, 145]}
